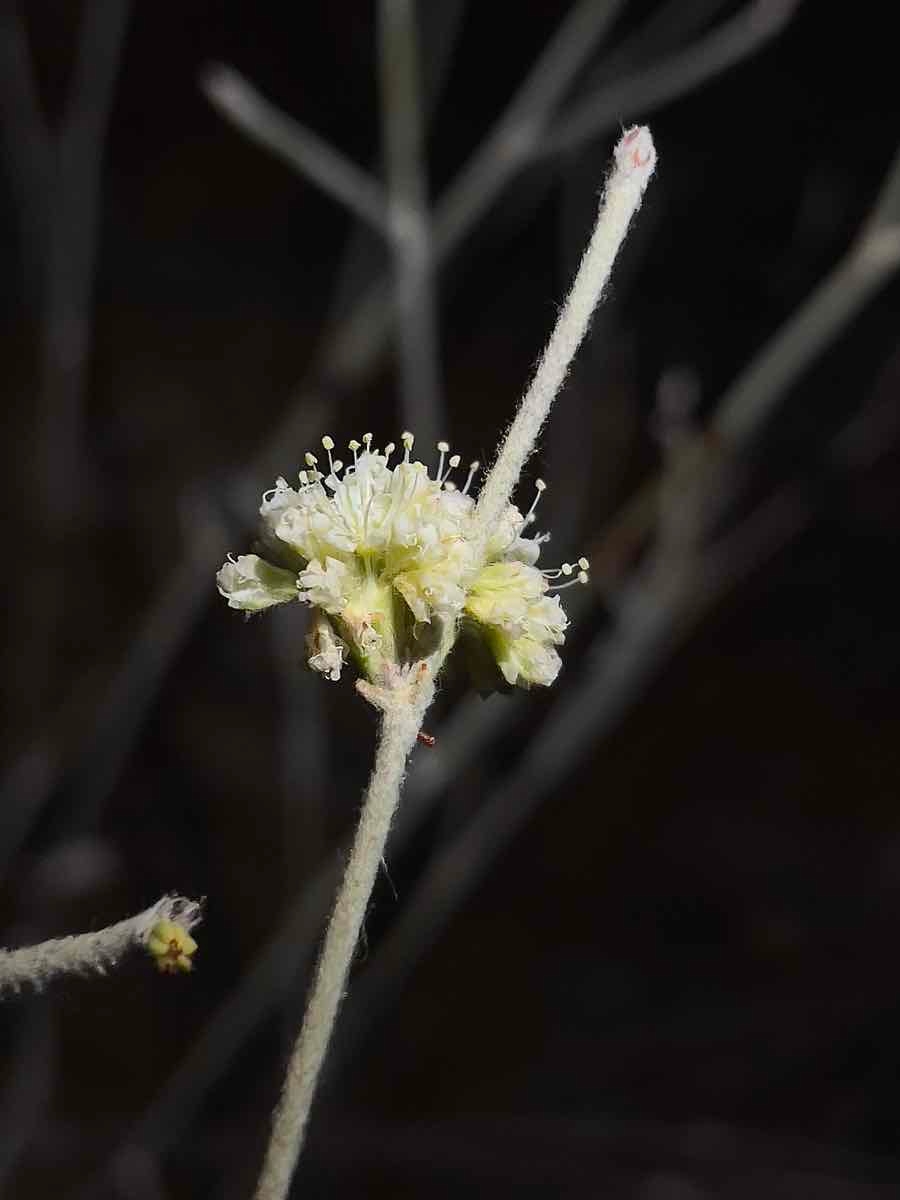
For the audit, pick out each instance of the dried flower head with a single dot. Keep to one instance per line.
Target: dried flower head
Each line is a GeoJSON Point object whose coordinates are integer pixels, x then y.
{"type": "Point", "coordinates": [384, 553]}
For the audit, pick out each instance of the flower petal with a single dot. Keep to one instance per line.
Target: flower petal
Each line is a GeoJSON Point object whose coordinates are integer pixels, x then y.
{"type": "Point", "coordinates": [251, 584]}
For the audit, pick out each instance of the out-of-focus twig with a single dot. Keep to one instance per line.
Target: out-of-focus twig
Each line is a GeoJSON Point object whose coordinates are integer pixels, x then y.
{"type": "Point", "coordinates": [645, 90]}
{"type": "Point", "coordinates": [107, 744]}
{"type": "Point", "coordinates": [523, 124]}
{"type": "Point", "coordinates": [742, 411]}
{"type": "Point", "coordinates": [311, 156]}
{"type": "Point", "coordinates": [668, 25]}
{"type": "Point", "coordinates": [355, 344]}
{"type": "Point", "coordinates": [56, 187]}
{"type": "Point", "coordinates": [409, 220]}
{"type": "Point", "coordinates": [867, 267]}
{"type": "Point", "coordinates": [72, 252]}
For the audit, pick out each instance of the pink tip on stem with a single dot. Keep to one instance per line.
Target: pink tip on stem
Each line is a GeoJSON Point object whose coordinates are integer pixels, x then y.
{"type": "Point", "coordinates": [635, 154]}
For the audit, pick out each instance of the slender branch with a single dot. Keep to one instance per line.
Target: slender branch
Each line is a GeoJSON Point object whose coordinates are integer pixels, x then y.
{"type": "Point", "coordinates": [72, 251]}
{"type": "Point", "coordinates": [407, 692]}
{"type": "Point", "coordinates": [645, 91]}
{"type": "Point", "coordinates": [86, 953]}
{"type": "Point", "coordinates": [512, 140]}
{"type": "Point", "coordinates": [355, 344]}
{"type": "Point", "coordinates": [410, 222]}
{"type": "Point", "coordinates": [116, 721]}
{"type": "Point", "coordinates": [635, 160]}
{"type": "Point", "coordinates": [400, 724]}
{"type": "Point", "coordinates": [58, 197]}
{"type": "Point", "coordinates": [241, 104]}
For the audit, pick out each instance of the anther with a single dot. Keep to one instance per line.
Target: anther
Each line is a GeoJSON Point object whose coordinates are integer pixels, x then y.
{"type": "Point", "coordinates": [583, 563]}
{"type": "Point", "coordinates": [388, 451]}
{"type": "Point", "coordinates": [328, 444]}
{"type": "Point", "coordinates": [407, 439]}
{"type": "Point", "coordinates": [443, 450]}
{"type": "Point", "coordinates": [367, 440]}
{"type": "Point", "coordinates": [473, 467]}
{"type": "Point", "coordinates": [566, 569]}
{"type": "Point", "coordinates": [310, 459]}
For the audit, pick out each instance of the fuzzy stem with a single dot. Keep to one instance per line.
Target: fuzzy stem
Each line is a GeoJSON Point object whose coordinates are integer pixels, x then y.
{"type": "Point", "coordinates": [634, 162]}
{"type": "Point", "coordinates": [402, 715]}
{"type": "Point", "coordinates": [85, 953]}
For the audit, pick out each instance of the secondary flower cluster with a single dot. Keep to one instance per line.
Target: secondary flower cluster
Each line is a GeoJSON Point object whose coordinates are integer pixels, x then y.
{"type": "Point", "coordinates": [387, 555]}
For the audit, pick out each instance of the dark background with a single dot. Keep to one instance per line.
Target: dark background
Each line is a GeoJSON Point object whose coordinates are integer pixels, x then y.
{"type": "Point", "coordinates": [677, 978]}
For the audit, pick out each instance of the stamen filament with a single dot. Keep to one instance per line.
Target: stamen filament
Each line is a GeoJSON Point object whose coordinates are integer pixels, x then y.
{"type": "Point", "coordinates": [443, 450]}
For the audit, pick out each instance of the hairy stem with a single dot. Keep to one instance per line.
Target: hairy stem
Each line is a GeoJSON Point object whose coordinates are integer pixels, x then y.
{"type": "Point", "coordinates": [402, 715]}
{"type": "Point", "coordinates": [87, 953]}
{"type": "Point", "coordinates": [634, 162]}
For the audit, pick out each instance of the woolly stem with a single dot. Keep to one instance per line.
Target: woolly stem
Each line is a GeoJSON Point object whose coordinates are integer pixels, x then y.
{"type": "Point", "coordinates": [402, 715]}
{"type": "Point", "coordinates": [633, 165]}
{"type": "Point", "coordinates": [85, 953]}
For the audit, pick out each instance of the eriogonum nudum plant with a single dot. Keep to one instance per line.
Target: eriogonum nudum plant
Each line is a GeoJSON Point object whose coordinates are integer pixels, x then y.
{"type": "Point", "coordinates": [384, 553]}
{"type": "Point", "coordinates": [395, 563]}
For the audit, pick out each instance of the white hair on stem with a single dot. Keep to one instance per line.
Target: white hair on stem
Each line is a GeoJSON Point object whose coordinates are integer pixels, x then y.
{"type": "Point", "coordinates": [634, 161]}
{"type": "Point", "coordinates": [402, 716]}
{"type": "Point", "coordinates": [90, 953]}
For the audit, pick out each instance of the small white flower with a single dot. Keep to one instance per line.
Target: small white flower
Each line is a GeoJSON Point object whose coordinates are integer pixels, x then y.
{"type": "Point", "coordinates": [326, 650]}
{"type": "Point", "coordinates": [525, 660]}
{"type": "Point", "coordinates": [385, 550]}
{"type": "Point", "coordinates": [520, 622]}
{"type": "Point", "coordinates": [251, 583]}
{"type": "Point", "coordinates": [327, 586]}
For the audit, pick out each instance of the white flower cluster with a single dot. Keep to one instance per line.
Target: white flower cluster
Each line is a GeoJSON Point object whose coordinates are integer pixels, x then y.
{"type": "Point", "coordinates": [380, 552]}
